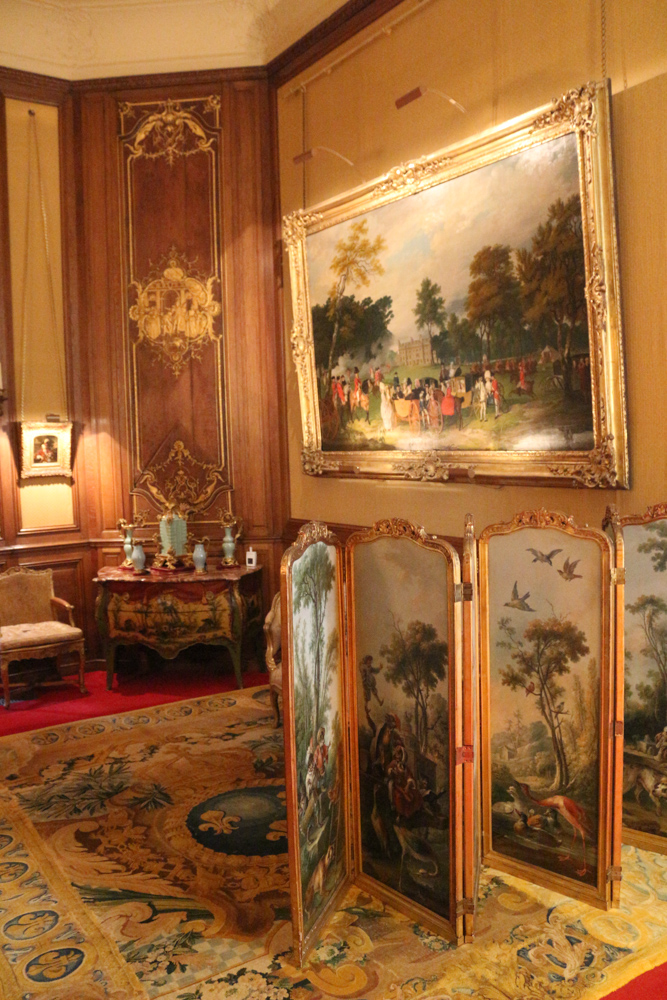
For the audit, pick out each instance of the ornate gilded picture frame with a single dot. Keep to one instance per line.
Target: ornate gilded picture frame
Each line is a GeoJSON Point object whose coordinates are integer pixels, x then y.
{"type": "Point", "coordinates": [316, 744]}
{"type": "Point", "coordinates": [641, 560]}
{"type": "Point", "coordinates": [405, 695]}
{"type": "Point", "coordinates": [551, 726]}
{"type": "Point", "coordinates": [46, 449]}
{"type": "Point", "coordinates": [459, 317]}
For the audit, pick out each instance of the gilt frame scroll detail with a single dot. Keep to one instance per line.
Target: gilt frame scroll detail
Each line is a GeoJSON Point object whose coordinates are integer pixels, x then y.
{"type": "Point", "coordinates": [459, 317]}
{"type": "Point", "coordinates": [170, 154]}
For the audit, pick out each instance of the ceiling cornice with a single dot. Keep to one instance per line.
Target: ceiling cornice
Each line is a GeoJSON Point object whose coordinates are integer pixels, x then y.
{"type": "Point", "coordinates": [92, 39]}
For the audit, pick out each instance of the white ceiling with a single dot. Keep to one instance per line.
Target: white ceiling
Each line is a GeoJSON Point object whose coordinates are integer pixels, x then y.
{"type": "Point", "coordinates": [84, 39]}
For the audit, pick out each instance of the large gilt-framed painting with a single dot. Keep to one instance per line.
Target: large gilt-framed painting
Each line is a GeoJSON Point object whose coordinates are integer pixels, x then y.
{"type": "Point", "coordinates": [316, 761]}
{"type": "Point", "coordinates": [642, 549]}
{"type": "Point", "coordinates": [459, 317]}
{"type": "Point", "coordinates": [550, 724]}
{"type": "Point", "coordinates": [405, 721]}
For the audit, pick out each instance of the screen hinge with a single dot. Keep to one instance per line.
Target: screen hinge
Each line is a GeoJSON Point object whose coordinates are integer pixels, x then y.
{"type": "Point", "coordinates": [464, 755]}
{"type": "Point", "coordinates": [618, 729]}
{"type": "Point", "coordinates": [466, 905]}
{"type": "Point", "coordinates": [614, 873]}
{"type": "Point", "coordinates": [618, 576]}
{"type": "Point", "coordinates": [462, 592]}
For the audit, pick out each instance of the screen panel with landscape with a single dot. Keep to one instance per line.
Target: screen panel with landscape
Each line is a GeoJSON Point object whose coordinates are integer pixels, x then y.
{"type": "Point", "coordinates": [645, 751]}
{"type": "Point", "coordinates": [401, 650]}
{"type": "Point", "coordinates": [317, 726]}
{"type": "Point", "coordinates": [545, 670]}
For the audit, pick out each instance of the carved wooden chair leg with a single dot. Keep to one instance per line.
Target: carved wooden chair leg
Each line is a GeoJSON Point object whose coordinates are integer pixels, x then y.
{"type": "Point", "coordinates": [82, 672]}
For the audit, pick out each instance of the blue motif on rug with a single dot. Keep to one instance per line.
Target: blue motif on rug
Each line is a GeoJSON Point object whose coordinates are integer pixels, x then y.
{"type": "Point", "coordinates": [250, 821]}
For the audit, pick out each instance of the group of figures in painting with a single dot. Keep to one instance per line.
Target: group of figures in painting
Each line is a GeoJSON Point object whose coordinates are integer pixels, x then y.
{"type": "Point", "coordinates": [645, 757]}
{"type": "Point", "coordinates": [403, 775]}
{"type": "Point", "coordinates": [456, 397]}
{"type": "Point", "coordinates": [545, 753]}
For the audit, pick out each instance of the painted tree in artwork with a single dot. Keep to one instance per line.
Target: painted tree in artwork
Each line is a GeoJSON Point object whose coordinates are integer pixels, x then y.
{"type": "Point", "coordinates": [356, 260]}
{"type": "Point", "coordinates": [416, 662]}
{"type": "Point", "coordinates": [657, 546]}
{"type": "Point", "coordinates": [543, 655]}
{"type": "Point", "coordinates": [652, 613]}
{"type": "Point", "coordinates": [312, 582]}
{"type": "Point", "coordinates": [552, 273]}
{"type": "Point", "coordinates": [493, 293]}
{"type": "Point", "coordinates": [363, 327]}
{"type": "Point", "coordinates": [429, 311]}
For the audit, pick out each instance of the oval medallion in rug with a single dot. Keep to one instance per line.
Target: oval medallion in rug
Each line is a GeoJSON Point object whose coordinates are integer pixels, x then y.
{"type": "Point", "coordinates": [248, 821]}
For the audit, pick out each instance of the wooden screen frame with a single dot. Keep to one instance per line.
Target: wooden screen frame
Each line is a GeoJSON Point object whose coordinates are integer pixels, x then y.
{"type": "Point", "coordinates": [611, 725]}
{"type": "Point", "coordinates": [472, 811]}
{"type": "Point", "coordinates": [614, 524]}
{"type": "Point", "coordinates": [398, 528]}
{"type": "Point", "coordinates": [311, 534]}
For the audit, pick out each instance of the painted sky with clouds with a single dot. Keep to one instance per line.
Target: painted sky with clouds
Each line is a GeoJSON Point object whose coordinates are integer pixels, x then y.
{"type": "Point", "coordinates": [436, 233]}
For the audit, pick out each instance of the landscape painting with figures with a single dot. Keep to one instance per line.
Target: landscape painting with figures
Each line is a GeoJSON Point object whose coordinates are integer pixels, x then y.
{"type": "Point", "coordinates": [457, 318]}
{"type": "Point", "coordinates": [401, 650]}
{"type": "Point", "coordinates": [318, 727]}
{"type": "Point", "coordinates": [645, 750]}
{"type": "Point", "coordinates": [545, 661]}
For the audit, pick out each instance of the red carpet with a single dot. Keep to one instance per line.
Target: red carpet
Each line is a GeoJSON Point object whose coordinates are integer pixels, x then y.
{"type": "Point", "coordinates": [53, 706]}
{"type": "Point", "coordinates": [651, 986]}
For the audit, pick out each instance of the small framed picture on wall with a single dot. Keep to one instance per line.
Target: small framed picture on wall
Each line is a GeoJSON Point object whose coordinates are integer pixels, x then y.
{"type": "Point", "coordinates": [46, 449]}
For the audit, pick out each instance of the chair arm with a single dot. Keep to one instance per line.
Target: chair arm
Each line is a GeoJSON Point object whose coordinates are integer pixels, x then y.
{"type": "Point", "coordinates": [57, 602]}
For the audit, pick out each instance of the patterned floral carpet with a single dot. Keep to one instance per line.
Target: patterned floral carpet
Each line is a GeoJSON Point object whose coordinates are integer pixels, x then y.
{"type": "Point", "coordinates": [144, 856]}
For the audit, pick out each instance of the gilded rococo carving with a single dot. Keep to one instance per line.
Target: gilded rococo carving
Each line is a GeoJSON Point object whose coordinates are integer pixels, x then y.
{"type": "Point", "coordinates": [170, 131]}
{"type": "Point", "coordinates": [181, 481]}
{"type": "Point", "coordinates": [174, 312]}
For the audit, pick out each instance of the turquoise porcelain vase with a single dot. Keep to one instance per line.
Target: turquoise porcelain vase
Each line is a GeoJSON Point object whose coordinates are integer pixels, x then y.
{"type": "Point", "coordinates": [138, 557]}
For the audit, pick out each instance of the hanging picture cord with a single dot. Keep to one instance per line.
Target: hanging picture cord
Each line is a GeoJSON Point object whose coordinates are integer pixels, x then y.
{"type": "Point", "coordinates": [32, 138]}
{"type": "Point", "coordinates": [603, 37]}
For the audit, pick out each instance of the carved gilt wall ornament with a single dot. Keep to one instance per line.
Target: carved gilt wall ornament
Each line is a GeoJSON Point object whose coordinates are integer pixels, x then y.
{"type": "Point", "coordinates": [181, 481]}
{"type": "Point", "coordinates": [172, 130]}
{"type": "Point", "coordinates": [174, 312]}
{"type": "Point", "coordinates": [537, 394]}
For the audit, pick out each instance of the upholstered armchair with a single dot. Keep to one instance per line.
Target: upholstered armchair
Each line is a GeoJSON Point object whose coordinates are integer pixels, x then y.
{"type": "Point", "coordinates": [29, 628]}
{"type": "Point", "coordinates": [272, 633]}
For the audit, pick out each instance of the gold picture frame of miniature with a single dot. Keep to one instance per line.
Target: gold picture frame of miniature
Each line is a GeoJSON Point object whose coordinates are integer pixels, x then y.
{"type": "Point", "coordinates": [46, 449]}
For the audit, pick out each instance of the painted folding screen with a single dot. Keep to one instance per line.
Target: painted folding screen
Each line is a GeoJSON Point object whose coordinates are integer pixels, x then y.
{"type": "Point", "coordinates": [405, 684]}
{"type": "Point", "coordinates": [641, 550]}
{"type": "Point", "coordinates": [549, 720]}
{"type": "Point", "coordinates": [316, 761]}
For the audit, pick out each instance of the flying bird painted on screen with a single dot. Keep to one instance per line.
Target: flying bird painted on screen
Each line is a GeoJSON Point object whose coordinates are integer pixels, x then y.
{"type": "Point", "coordinates": [544, 557]}
{"type": "Point", "coordinates": [567, 572]}
{"type": "Point", "coordinates": [520, 603]}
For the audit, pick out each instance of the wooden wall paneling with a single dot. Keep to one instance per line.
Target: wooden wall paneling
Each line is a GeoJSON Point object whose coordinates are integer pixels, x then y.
{"type": "Point", "coordinates": [106, 453]}
{"type": "Point", "coordinates": [245, 305]}
{"type": "Point", "coordinates": [169, 148]}
{"type": "Point", "coordinates": [23, 86]}
{"type": "Point", "coordinates": [8, 470]}
{"type": "Point", "coordinates": [254, 348]}
{"type": "Point", "coordinates": [76, 369]}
